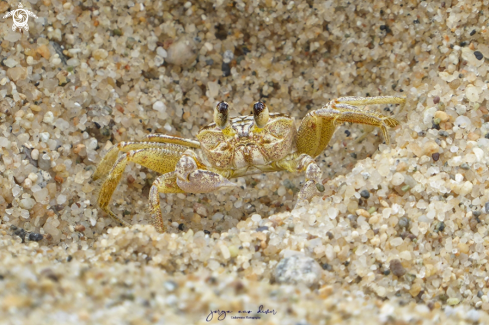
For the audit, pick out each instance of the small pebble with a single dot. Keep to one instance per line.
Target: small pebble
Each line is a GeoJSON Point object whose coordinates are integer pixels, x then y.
{"type": "Point", "coordinates": [17, 73]}
{"type": "Point", "coordinates": [454, 84]}
{"type": "Point", "coordinates": [397, 179]}
{"type": "Point", "coordinates": [441, 115]}
{"type": "Point", "coordinates": [44, 162]}
{"type": "Point", "coordinates": [363, 213]}
{"type": "Point", "coordinates": [435, 156]}
{"type": "Point", "coordinates": [159, 106]}
{"type": "Point", "coordinates": [161, 52]}
{"type": "Point", "coordinates": [170, 285]}
{"type": "Point", "coordinates": [181, 53]}
{"type": "Point", "coordinates": [44, 136]}
{"type": "Point", "coordinates": [213, 89]}
{"type": "Point", "coordinates": [130, 42]}
{"type": "Point", "coordinates": [430, 147]}
{"type": "Point", "coordinates": [472, 94]}
{"type": "Point", "coordinates": [100, 54]}
{"type": "Point", "coordinates": [228, 56]}
{"type": "Point", "coordinates": [48, 117]}
{"type": "Point", "coordinates": [226, 69]}
{"type": "Point", "coordinates": [396, 268]}
{"type": "Point", "coordinates": [33, 236]}
{"type": "Point", "coordinates": [478, 55]}
{"type": "Point", "coordinates": [443, 133]}
{"type": "Point", "coordinates": [463, 247]}
{"type": "Point", "coordinates": [233, 250]}
{"type": "Point", "coordinates": [440, 227]}
{"type": "Point", "coordinates": [27, 203]}
{"type": "Point", "coordinates": [453, 301]}
{"type": "Point", "coordinates": [158, 60]}
{"type": "Point", "coordinates": [35, 154]}
{"type": "Point", "coordinates": [463, 121]}
{"type": "Point", "coordinates": [20, 232]}
{"type": "Point", "coordinates": [365, 194]}
{"type": "Point", "coordinates": [80, 228]}
{"type": "Point", "coordinates": [327, 267]}
{"type": "Point", "coordinates": [396, 241]}
{"type": "Point", "coordinates": [10, 62]}
{"type": "Point", "coordinates": [404, 222]}
{"type": "Point", "coordinates": [298, 269]}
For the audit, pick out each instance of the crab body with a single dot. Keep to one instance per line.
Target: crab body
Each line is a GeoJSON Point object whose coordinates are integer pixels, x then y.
{"type": "Point", "coordinates": [244, 149]}
{"type": "Point", "coordinates": [238, 146]}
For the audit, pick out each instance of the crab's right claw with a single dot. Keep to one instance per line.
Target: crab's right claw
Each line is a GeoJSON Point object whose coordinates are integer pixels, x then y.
{"type": "Point", "coordinates": [204, 181]}
{"type": "Point", "coordinates": [193, 179]}
{"type": "Point", "coordinates": [309, 190]}
{"type": "Point", "coordinates": [313, 186]}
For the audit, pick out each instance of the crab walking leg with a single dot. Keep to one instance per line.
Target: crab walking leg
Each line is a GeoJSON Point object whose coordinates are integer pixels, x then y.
{"type": "Point", "coordinates": [109, 159]}
{"type": "Point", "coordinates": [192, 177]}
{"type": "Point", "coordinates": [317, 128]}
{"type": "Point", "coordinates": [362, 101]}
{"type": "Point", "coordinates": [158, 159]}
{"type": "Point", "coordinates": [166, 183]}
{"type": "Point", "coordinates": [171, 139]}
{"type": "Point", "coordinates": [106, 164]}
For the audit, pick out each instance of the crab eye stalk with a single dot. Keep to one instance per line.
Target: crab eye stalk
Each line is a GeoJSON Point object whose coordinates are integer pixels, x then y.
{"type": "Point", "coordinates": [221, 115]}
{"type": "Point", "coordinates": [261, 114]}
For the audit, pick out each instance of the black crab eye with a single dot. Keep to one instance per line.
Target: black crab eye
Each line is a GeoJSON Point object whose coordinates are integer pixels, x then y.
{"type": "Point", "coordinates": [222, 107]}
{"type": "Point", "coordinates": [258, 108]}
{"type": "Point", "coordinates": [261, 114]}
{"type": "Point", "coordinates": [221, 116]}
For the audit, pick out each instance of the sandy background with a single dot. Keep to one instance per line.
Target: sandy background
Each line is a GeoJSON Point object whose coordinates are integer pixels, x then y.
{"type": "Point", "coordinates": [399, 237]}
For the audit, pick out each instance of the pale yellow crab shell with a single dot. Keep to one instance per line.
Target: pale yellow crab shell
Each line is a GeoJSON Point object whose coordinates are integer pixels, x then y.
{"type": "Point", "coordinates": [243, 149]}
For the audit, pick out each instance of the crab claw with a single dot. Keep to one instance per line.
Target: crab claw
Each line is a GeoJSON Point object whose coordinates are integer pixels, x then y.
{"type": "Point", "coordinates": [204, 181]}
{"type": "Point", "coordinates": [308, 191]}
{"type": "Point", "coordinates": [191, 179]}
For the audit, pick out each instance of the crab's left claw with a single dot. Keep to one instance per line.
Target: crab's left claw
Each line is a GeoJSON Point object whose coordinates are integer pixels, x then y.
{"type": "Point", "coordinates": [193, 179]}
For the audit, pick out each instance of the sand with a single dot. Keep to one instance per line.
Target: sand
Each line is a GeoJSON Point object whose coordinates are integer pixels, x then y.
{"type": "Point", "coordinates": [399, 235]}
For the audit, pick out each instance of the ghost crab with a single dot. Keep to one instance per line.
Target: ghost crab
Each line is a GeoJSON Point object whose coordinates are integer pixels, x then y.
{"type": "Point", "coordinates": [238, 146]}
